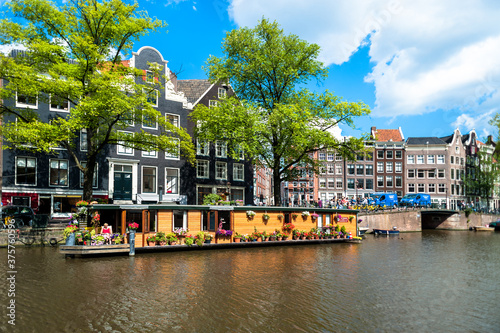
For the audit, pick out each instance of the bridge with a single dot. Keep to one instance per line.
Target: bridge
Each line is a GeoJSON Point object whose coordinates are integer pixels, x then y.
{"type": "Point", "coordinates": [418, 219]}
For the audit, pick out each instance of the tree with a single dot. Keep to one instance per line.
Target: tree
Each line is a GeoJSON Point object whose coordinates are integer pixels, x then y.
{"type": "Point", "coordinates": [73, 53]}
{"type": "Point", "coordinates": [274, 121]}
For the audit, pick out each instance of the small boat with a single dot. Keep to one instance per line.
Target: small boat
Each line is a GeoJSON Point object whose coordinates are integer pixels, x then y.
{"type": "Point", "coordinates": [386, 231]}
{"type": "Point", "coordinates": [484, 228]}
{"type": "Point", "coordinates": [362, 230]}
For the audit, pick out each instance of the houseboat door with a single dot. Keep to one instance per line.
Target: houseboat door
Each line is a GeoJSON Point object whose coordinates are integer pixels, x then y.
{"type": "Point", "coordinates": [122, 182]}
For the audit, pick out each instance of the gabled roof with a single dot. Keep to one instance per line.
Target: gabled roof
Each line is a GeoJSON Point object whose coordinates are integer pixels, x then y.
{"type": "Point", "coordinates": [425, 140]}
{"type": "Point", "coordinates": [387, 134]}
{"type": "Point", "coordinates": [193, 89]}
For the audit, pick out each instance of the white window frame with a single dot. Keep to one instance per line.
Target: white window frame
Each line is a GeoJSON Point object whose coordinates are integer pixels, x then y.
{"type": "Point", "coordinates": [420, 159]}
{"type": "Point", "coordinates": [24, 105]}
{"type": "Point", "coordinates": [122, 150]}
{"type": "Point", "coordinates": [213, 103]}
{"type": "Point", "coordinates": [176, 156]}
{"type": "Point", "coordinates": [389, 181]}
{"type": "Point", "coordinates": [177, 185]}
{"type": "Point", "coordinates": [420, 188]}
{"type": "Point", "coordinates": [220, 149]}
{"type": "Point", "coordinates": [202, 148]}
{"type": "Point", "coordinates": [83, 140]}
{"type": "Point", "coordinates": [155, 105]}
{"type": "Point", "coordinates": [431, 159]}
{"type": "Point", "coordinates": [144, 125]}
{"type": "Point", "coordinates": [36, 166]}
{"type": "Point", "coordinates": [411, 188]}
{"type": "Point", "coordinates": [410, 159]}
{"type": "Point", "coordinates": [388, 167]}
{"type": "Point", "coordinates": [56, 109]}
{"type": "Point", "coordinates": [206, 164]}
{"type": "Point", "coordinates": [221, 166]}
{"type": "Point", "coordinates": [175, 116]}
{"type": "Point", "coordinates": [398, 167]}
{"type": "Point", "coordinates": [238, 169]}
{"type": "Point", "coordinates": [50, 171]}
{"type": "Point", "coordinates": [431, 188]}
{"type": "Point", "coordinates": [440, 159]}
{"type": "Point", "coordinates": [221, 92]}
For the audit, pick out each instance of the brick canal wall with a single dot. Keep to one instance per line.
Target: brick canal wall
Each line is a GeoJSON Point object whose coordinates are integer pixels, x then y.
{"type": "Point", "coordinates": [48, 233]}
{"type": "Point", "coordinates": [416, 220]}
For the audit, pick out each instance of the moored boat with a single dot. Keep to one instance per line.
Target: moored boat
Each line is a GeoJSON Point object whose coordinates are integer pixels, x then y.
{"type": "Point", "coordinates": [362, 230]}
{"type": "Point", "coordinates": [484, 228]}
{"type": "Point", "coordinates": [385, 231]}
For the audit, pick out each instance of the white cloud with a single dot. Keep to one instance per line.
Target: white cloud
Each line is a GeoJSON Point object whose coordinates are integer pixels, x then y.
{"type": "Point", "coordinates": [427, 55]}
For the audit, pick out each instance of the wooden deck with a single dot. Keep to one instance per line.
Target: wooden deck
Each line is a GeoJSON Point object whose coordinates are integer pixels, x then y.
{"type": "Point", "coordinates": [100, 250]}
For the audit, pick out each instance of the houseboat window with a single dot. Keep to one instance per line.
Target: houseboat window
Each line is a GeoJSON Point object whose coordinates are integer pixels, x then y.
{"type": "Point", "coordinates": [208, 221]}
{"type": "Point", "coordinates": [287, 217]}
{"type": "Point", "coordinates": [135, 216]}
{"type": "Point", "coordinates": [224, 220]}
{"type": "Point", "coordinates": [179, 219]}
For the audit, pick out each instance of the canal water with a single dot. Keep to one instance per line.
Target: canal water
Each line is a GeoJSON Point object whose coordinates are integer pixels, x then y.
{"type": "Point", "coordinates": [434, 281]}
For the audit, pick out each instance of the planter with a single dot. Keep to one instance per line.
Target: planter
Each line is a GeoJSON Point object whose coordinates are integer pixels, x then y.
{"type": "Point", "coordinates": [259, 239]}
{"type": "Point", "coordinates": [150, 243]}
{"type": "Point", "coordinates": [279, 239]}
{"type": "Point", "coordinates": [208, 241]}
{"type": "Point", "coordinates": [285, 238]}
{"type": "Point", "coordinates": [173, 243]}
{"type": "Point", "coordinates": [163, 243]}
{"type": "Point", "coordinates": [237, 240]}
{"type": "Point", "coordinates": [272, 239]}
{"type": "Point", "coordinates": [70, 240]}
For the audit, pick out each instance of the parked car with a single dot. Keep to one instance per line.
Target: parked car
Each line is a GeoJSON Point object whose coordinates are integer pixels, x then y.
{"type": "Point", "coordinates": [385, 199]}
{"type": "Point", "coordinates": [416, 200]}
{"type": "Point", "coordinates": [23, 215]}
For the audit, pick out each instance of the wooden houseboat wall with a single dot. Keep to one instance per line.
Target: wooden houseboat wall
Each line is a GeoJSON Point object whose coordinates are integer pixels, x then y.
{"type": "Point", "coordinates": [158, 217]}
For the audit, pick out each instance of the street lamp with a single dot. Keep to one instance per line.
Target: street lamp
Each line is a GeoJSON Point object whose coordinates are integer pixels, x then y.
{"type": "Point", "coordinates": [446, 200]}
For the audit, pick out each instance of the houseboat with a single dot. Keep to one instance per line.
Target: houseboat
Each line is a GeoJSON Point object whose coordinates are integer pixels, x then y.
{"type": "Point", "coordinates": [243, 220]}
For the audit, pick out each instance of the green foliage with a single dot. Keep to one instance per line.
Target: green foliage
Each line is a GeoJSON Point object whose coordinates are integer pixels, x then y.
{"type": "Point", "coordinates": [211, 199]}
{"type": "Point", "coordinates": [274, 122]}
{"type": "Point", "coordinates": [468, 211]}
{"type": "Point", "coordinates": [74, 55]}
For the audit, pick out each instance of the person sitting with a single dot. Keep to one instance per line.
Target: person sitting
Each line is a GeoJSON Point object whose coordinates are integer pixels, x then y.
{"type": "Point", "coordinates": [107, 231]}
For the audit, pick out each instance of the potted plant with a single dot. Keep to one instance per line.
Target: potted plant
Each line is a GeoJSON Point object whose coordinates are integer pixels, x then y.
{"type": "Point", "coordinates": [266, 217]}
{"type": "Point", "coordinates": [211, 199]}
{"type": "Point", "coordinates": [250, 214]}
{"type": "Point", "coordinates": [337, 218]}
{"type": "Point", "coordinates": [239, 202]}
{"type": "Point", "coordinates": [161, 238]}
{"type": "Point", "coordinates": [189, 240]}
{"type": "Point", "coordinates": [223, 233]}
{"type": "Point", "coordinates": [207, 237]}
{"type": "Point", "coordinates": [133, 226]}
{"type": "Point", "coordinates": [81, 203]}
{"type": "Point", "coordinates": [151, 240]}
{"type": "Point", "coordinates": [305, 214]}
{"type": "Point", "coordinates": [180, 232]}
{"type": "Point", "coordinates": [69, 234]}
{"type": "Point", "coordinates": [116, 239]}
{"type": "Point", "coordinates": [237, 237]}
{"type": "Point", "coordinates": [314, 216]}
{"type": "Point", "coordinates": [281, 217]}
{"type": "Point", "coordinates": [171, 238]}
{"type": "Point", "coordinates": [288, 227]}
{"type": "Point", "coordinates": [296, 234]}
{"type": "Point", "coordinates": [200, 238]}
{"type": "Point", "coordinates": [294, 215]}
{"type": "Point", "coordinates": [343, 231]}
{"type": "Point", "coordinates": [351, 218]}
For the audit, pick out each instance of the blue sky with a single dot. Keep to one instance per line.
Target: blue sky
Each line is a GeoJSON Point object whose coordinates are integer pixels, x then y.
{"type": "Point", "coordinates": [423, 65]}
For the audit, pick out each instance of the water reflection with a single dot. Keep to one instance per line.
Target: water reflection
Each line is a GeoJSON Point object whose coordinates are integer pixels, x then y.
{"type": "Point", "coordinates": [434, 281]}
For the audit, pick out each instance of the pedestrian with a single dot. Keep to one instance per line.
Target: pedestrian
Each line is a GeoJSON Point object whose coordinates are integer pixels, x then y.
{"type": "Point", "coordinates": [320, 203]}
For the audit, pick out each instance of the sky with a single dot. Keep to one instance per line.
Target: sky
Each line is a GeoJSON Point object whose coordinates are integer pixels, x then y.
{"type": "Point", "coordinates": [426, 66]}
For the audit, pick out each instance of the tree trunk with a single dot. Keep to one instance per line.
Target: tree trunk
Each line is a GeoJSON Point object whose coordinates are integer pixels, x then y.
{"type": "Point", "coordinates": [88, 178]}
{"type": "Point", "coordinates": [277, 188]}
